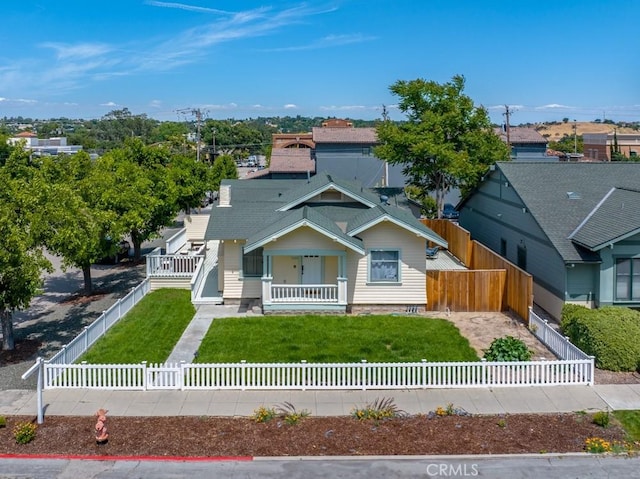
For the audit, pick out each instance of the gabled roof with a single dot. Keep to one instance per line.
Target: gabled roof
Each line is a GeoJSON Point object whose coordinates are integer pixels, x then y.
{"type": "Point", "coordinates": [325, 134]}
{"type": "Point", "coordinates": [262, 210]}
{"type": "Point", "coordinates": [561, 196]}
{"type": "Point", "coordinates": [324, 182]}
{"type": "Point", "coordinates": [302, 217]}
{"type": "Point", "coordinates": [615, 218]}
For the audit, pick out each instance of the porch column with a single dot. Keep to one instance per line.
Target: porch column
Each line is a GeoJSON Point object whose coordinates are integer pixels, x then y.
{"type": "Point", "coordinates": [342, 290]}
{"type": "Point", "coordinates": [266, 289]}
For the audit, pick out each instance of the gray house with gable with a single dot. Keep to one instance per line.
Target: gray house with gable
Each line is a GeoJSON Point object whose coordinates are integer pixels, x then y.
{"type": "Point", "coordinates": [574, 226]}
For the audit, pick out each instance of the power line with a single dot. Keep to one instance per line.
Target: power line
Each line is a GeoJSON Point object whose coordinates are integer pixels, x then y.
{"type": "Point", "coordinates": [198, 115]}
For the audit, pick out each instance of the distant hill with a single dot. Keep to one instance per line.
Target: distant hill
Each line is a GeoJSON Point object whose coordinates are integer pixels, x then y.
{"type": "Point", "coordinates": [556, 131]}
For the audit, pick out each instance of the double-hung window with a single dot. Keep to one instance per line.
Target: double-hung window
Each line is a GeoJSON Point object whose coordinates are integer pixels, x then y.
{"type": "Point", "coordinates": [628, 279]}
{"type": "Point", "coordinates": [384, 266]}
{"type": "Point", "coordinates": [252, 264]}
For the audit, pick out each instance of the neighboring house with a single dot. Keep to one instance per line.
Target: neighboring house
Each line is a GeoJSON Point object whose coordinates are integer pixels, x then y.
{"type": "Point", "coordinates": [345, 151]}
{"type": "Point", "coordinates": [526, 144]}
{"type": "Point", "coordinates": [321, 244]}
{"type": "Point", "coordinates": [574, 226]}
{"type": "Point", "coordinates": [287, 163]}
{"type": "Point", "coordinates": [44, 147]}
{"type": "Point", "coordinates": [599, 145]}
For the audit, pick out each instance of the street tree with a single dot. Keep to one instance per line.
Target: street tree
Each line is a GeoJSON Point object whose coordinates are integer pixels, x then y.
{"type": "Point", "coordinates": [224, 167]}
{"type": "Point", "coordinates": [134, 183]}
{"type": "Point", "coordinates": [22, 259]}
{"type": "Point", "coordinates": [446, 141]}
{"type": "Point", "coordinates": [79, 227]}
{"type": "Point", "coordinates": [189, 178]}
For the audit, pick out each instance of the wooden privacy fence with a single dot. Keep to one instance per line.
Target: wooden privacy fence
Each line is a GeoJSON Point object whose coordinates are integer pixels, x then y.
{"type": "Point", "coordinates": [466, 290]}
{"type": "Point", "coordinates": [515, 292]}
{"type": "Point", "coordinates": [302, 376]}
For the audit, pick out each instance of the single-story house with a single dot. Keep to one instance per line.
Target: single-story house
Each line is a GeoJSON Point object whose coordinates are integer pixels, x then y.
{"type": "Point", "coordinates": [320, 243]}
{"type": "Point", "coordinates": [574, 226]}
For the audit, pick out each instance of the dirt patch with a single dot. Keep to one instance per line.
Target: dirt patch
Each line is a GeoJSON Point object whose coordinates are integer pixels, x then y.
{"type": "Point", "coordinates": [482, 328]}
{"type": "Point", "coordinates": [81, 298]}
{"type": "Point", "coordinates": [25, 350]}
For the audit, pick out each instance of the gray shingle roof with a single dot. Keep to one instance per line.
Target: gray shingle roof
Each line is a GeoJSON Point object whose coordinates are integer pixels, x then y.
{"type": "Point", "coordinates": [257, 211]}
{"type": "Point", "coordinates": [616, 217]}
{"type": "Point", "coordinates": [544, 188]}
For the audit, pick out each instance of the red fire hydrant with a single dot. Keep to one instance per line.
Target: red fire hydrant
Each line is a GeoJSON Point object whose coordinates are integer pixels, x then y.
{"type": "Point", "coordinates": [102, 436]}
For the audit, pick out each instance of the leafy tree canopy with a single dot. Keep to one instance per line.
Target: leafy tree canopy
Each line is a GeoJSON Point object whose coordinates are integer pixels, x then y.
{"type": "Point", "coordinates": [446, 142]}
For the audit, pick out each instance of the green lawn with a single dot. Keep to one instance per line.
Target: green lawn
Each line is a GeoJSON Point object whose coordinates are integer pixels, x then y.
{"type": "Point", "coordinates": [148, 332]}
{"type": "Point", "coordinates": [630, 420]}
{"type": "Point", "coordinates": [325, 339]}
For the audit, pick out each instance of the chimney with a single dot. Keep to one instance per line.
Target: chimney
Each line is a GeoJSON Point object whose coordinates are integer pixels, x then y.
{"type": "Point", "coordinates": [225, 196]}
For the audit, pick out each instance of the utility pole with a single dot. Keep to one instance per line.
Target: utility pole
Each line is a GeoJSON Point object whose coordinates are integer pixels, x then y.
{"type": "Point", "coordinates": [198, 114]}
{"type": "Point", "coordinates": [507, 114]}
{"type": "Point", "coordinates": [575, 137]}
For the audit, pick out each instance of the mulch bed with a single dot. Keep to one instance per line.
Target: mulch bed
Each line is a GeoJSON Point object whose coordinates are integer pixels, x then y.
{"type": "Point", "coordinates": [312, 436]}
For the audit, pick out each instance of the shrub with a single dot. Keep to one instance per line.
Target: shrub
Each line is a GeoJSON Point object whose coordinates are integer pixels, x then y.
{"type": "Point", "coordinates": [290, 415]}
{"type": "Point", "coordinates": [384, 408]}
{"type": "Point", "coordinates": [24, 432]}
{"type": "Point", "coordinates": [507, 349]}
{"type": "Point", "coordinates": [263, 414]}
{"type": "Point", "coordinates": [611, 334]}
{"type": "Point", "coordinates": [601, 418]}
{"type": "Point", "coordinates": [3, 422]}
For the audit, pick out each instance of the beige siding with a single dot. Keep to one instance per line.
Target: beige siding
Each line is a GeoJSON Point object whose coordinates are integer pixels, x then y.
{"type": "Point", "coordinates": [196, 225]}
{"type": "Point", "coordinates": [176, 283]}
{"type": "Point", "coordinates": [234, 286]}
{"type": "Point", "coordinates": [303, 238]}
{"type": "Point", "coordinates": [413, 278]}
{"type": "Point", "coordinates": [285, 269]}
{"type": "Point", "coordinates": [330, 269]}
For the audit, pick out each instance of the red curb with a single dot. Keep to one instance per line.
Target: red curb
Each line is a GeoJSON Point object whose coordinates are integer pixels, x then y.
{"type": "Point", "coordinates": [128, 458]}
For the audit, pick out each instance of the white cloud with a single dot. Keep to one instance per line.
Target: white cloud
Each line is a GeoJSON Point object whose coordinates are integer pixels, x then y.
{"type": "Point", "coordinates": [182, 6]}
{"type": "Point", "coordinates": [347, 107]}
{"type": "Point", "coordinates": [554, 106]}
{"type": "Point", "coordinates": [155, 104]}
{"type": "Point", "coordinates": [79, 51]}
{"type": "Point", "coordinates": [109, 103]}
{"type": "Point", "coordinates": [290, 106]}
{"type": "Point", "coordinates": [329, 41]}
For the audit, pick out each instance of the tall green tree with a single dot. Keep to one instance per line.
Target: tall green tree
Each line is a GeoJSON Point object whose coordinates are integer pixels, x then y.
{"type": "Point", "coordinates": [79, 227]}
{"type": "Point", "coordinates": [224, 167]}
{"type": "Point", "coordinates": [134, 183]}
{"type": "Point", "coordinates": [445, 142]}
{"type": "Point", "coordinates": [22, 259]}
{"type": "Point", "coordinates": [189, 178]}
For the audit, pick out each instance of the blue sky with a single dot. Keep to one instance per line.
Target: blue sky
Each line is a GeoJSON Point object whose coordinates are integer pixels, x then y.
{"type": "Point", "coordinates": [237, 59]}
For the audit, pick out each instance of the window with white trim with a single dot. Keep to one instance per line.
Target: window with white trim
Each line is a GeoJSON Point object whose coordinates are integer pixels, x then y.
{"type": "Point", "coordinates": [628, 279]}
{"type": "Point", "coordinates": [384, 266]}
{"type": "Point", "coordinates": [252, 264]}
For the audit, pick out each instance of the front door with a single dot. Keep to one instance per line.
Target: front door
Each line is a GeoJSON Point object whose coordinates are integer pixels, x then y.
{"type": "Point", "coordinates": [311, 270]}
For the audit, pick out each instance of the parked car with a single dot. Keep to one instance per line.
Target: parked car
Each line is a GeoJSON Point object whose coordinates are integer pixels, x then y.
{"type": "Point", "coordinates": [449, 212]}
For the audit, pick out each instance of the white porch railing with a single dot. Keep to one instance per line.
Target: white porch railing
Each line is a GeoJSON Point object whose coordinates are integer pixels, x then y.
{"type": "Point", "coordinates": [560, 345]}
{"type": "Point", "coordinates": [176, 242]}
{"type": "Point", "coordinates": [302, 376]}
{"type": "Point", "coordinates": [304, 293]}
{"type": "Point", "coordinates": [175, 265]}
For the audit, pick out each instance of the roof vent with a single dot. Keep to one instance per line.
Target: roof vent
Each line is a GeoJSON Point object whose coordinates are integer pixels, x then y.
{"type": "Point", "coordinates": [384, 199]}
{"type": "Point", "coordinates": [572, 195]}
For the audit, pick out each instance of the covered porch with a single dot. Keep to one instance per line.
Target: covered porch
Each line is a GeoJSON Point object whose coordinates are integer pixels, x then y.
{"type": "Point", "coordinates": [304, 280]}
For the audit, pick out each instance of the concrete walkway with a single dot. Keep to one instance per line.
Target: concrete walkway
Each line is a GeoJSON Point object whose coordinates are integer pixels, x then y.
{"type": "Point", "coordinates": [511, 400]}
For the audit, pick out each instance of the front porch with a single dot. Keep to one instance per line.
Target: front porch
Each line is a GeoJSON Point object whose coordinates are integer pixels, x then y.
{"type": "Point", "coordinates": [295, 297]}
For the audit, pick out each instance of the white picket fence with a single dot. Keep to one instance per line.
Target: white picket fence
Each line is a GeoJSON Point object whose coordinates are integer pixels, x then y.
{"type": "Point", "coordinates": [303, 376]}
{"type": "Point", "coordinates": [560, 345]}
{"type": "Point", "coordinates": [90, 334]}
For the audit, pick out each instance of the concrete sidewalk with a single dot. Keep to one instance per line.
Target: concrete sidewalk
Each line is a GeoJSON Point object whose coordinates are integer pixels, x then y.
{"type": "Point", "coordinates": [549, 399]}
